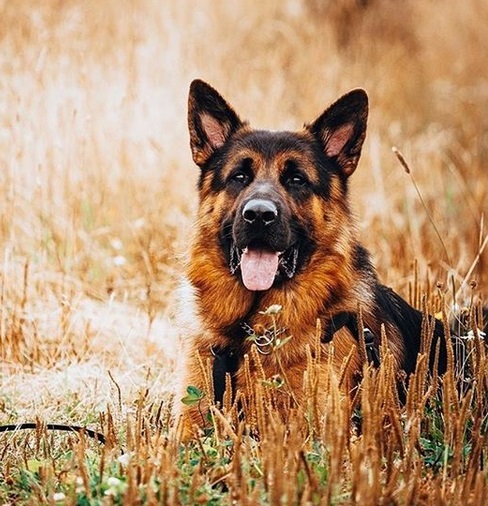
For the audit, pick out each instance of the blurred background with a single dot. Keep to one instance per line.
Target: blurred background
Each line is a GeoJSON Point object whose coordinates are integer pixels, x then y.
{"type": "Point", "coordinates": [96, 179]}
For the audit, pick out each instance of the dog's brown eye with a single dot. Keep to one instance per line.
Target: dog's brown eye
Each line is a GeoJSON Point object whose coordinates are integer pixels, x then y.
{"type": "Point", "coordinates": [242, 173]}
{"type": "Point", "coordinates": [240, 177]}
{"type": "Point", "coordinates": [295, 179]}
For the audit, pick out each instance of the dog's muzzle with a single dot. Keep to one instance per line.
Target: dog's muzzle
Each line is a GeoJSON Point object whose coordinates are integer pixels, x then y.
{"type": "Point", "coordinates": [261, 247]}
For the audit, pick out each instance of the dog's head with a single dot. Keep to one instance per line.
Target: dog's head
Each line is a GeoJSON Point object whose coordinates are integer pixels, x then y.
{"type": "Point", "coordinates": [274, 197]}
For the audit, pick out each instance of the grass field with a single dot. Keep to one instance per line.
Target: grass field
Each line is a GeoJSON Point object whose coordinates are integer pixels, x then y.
{"type": "Point", "coordinates": [97, 198]}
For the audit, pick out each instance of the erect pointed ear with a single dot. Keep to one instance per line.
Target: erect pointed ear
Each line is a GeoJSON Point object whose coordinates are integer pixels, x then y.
{"type": "Point", "coordinates": [211, 121]}
{"type": "Point", "coordinates": [341, 129]}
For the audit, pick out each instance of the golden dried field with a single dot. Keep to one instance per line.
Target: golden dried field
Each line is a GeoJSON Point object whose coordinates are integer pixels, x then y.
{"type": "Point", "coordinates": [97, 200]}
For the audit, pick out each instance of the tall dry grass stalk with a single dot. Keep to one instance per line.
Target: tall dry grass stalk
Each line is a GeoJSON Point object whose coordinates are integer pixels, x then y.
{"type": "Point", "coordinates": [432, 450]}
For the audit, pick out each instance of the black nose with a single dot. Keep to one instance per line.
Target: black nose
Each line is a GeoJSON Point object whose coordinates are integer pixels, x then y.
{"type": "Point", "coordinates": [260, 211]}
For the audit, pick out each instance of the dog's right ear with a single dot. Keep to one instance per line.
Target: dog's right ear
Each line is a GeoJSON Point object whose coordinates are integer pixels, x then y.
{"type": "Point", "coordinates": [211, 121]}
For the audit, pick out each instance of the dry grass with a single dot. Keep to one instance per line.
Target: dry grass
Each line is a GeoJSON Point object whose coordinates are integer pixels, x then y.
{"type": "Point", "coordinates": [98, 194]}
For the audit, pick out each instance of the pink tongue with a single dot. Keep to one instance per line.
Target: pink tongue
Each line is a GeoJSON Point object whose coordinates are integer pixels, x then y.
{"type": "Point", "coordinates": [258, 268]}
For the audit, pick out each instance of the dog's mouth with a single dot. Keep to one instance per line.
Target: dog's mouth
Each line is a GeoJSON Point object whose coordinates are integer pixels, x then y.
{"type": "Point", "coordinates": [260, 265]}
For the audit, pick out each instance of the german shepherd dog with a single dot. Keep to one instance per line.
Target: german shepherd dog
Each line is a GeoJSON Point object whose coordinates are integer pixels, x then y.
{"type": "Point", "coordinates": [275, 228]}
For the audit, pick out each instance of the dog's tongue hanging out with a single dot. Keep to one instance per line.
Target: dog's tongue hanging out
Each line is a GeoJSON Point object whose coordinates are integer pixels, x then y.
{"type": "Point", "coordinates": [258, 268]}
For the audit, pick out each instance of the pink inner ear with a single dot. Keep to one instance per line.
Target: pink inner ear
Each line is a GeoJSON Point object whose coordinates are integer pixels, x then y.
{"type": "Point", "coordinates": [336, 140]}
{"type": "Point", "coordinates": [216, 132]}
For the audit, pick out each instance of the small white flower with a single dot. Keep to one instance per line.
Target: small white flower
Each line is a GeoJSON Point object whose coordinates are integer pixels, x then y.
{"type": "Point", "coordinates": [80, 485]}
{"type": "Point", "coordinates": [59, 496]}
{"type": "Point", "coordinates": [115, 486]}
{"type": "Point", "coordinates": [273, 309]}
{"type": "Point", "coordinates": [124, 459]}
{"type": "Point", "coordinates": [112, 481]}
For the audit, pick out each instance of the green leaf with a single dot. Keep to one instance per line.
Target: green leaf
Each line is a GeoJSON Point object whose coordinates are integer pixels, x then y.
{"type": "Point", "coordinates": [274, 382]}
{"type": "Point", "coordinates": [252, 338]}
{"type": "Point", "coordinates": [195, 395]}
{"type": "Point", "coordinates": [194, 391]}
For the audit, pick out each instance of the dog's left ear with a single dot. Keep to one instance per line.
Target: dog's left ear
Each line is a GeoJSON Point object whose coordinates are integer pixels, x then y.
{"type": "Point", "coordinates": [211, 121]}
{"type": "Point", "coordinates": [341, 129]}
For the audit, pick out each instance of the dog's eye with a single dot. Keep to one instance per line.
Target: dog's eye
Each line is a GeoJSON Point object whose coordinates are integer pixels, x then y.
{"type": "Point", "coordinates": [240, 177]}
{"type": "Point", "coordinates": [242, 174]}
{"type": "Point", "coordinates": [295, 180]}
{"type": "Point", "coordinates": [293, 177]}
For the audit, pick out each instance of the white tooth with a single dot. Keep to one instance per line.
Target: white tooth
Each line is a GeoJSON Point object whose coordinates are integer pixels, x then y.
{"type": "Point", "coordinates": [244, 250]}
